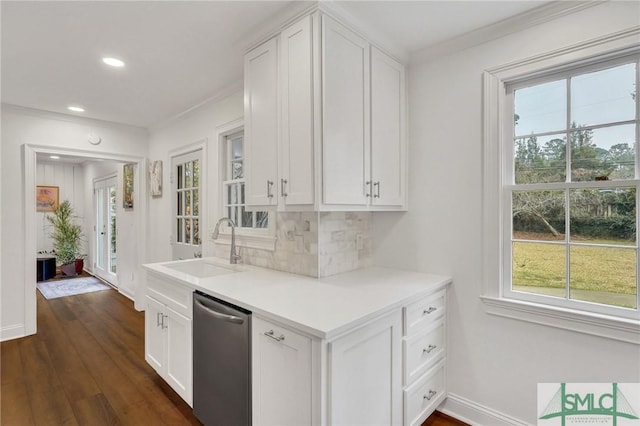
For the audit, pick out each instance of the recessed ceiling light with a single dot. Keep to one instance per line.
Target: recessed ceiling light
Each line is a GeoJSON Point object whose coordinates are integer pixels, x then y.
{"type": "Point", "coordinates": [113, 62]}
{"type": "Point", "coordinates": [54, 157]}
{"type": "Point", "coordinates": [75, 109]}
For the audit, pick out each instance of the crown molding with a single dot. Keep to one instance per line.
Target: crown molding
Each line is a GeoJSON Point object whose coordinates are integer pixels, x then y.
{"type": "Point", "coordinates": [522, 21]}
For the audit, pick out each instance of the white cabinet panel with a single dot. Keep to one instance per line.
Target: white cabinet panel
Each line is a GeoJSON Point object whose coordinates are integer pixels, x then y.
{"type": "Point", "coordinates": [261, 123]}
{"type": "Point", "coordinates": [345, 115]}
{"type": "Point", "coordinates": [422, 398]}
{"type": "Point", "coordinates": [281, 376]}
{"type": "Point", "coordinates": [179, 347]}
{"type": "Point", "coordinates": [155, 352]}
{"type": "Point", "coordinates": [297, 136]}
{"type": "Point", "coordinates": [388, 145]}
{"type": "Point", "coordinates": [365, 374]}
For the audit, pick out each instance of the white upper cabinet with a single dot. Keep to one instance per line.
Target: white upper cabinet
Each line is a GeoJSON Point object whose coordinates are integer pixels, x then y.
{"type": "Point", "coordinates": [345, 114]}
{"type": "Point", "coordinates": [261, 123]}
{"type": "Point", "coordinates": [388, 146]}
{"type": "Point", "coordinates": [338, 141]}
{"type": "Point", "coordinates": [297, 136]}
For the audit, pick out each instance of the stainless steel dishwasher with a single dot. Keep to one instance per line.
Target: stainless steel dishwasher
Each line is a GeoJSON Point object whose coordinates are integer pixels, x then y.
{"type": "Point", "coordinates": [221, 362]}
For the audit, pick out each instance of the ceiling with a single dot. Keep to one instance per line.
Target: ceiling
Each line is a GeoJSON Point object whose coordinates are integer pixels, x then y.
{"type": "Point", "coordinates": [180, 53]}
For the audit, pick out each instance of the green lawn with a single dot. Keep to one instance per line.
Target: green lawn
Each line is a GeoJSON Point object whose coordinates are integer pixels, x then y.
{"type": "Point", "coordinates": [598, 274]}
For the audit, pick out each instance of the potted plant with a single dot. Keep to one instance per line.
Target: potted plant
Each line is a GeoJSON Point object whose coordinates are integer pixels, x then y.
{"type": "Point", "coordinates": [67, 237]}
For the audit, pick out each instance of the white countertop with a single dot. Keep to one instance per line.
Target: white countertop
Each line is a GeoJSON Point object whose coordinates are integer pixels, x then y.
{"type": "Point", "coordinates": [321, 307]}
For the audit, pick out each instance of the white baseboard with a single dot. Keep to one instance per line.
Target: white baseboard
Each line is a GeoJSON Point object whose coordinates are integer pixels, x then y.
{"type": "Point", "coordinates": [12, 332]}
{"type": "Point", "coordinates": [475, 414]}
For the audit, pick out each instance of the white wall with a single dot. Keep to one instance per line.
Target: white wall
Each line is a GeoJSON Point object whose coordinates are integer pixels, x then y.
{"type": "Point", "coordinates": [19, 127]}
{"type": "Point", "coordinates": [68, 179]}
{"type": "Point", "coordinates": [196, 126]}
{"type": "Point", "coordinates": [492, 361]}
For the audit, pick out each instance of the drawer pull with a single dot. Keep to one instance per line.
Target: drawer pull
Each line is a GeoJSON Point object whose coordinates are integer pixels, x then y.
{"type": "Point", "coordinates": [270, 334]}
{"type": "Point", "coordinates": [428, 311]}
{"type": "Point", "coordinates": [158, 319]}
{"type": "Point", "coordinates": [429, 348]}
{"type": "Point", "coordinates": [430, 395]}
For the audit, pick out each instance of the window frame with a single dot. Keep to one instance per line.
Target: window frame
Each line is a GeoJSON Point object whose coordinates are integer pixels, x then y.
{"type": "Point", "coordinates": [498, 112]}
{"type": "Point", "coordinates": [258, 238]}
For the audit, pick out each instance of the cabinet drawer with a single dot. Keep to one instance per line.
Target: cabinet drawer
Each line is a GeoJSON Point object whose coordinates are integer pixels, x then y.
{"type": "Point", "coordinates": [422, 350]}
{"type": "Point", "coordinates": [423, 397]}
{"type": "Point", "coordinates": [176, 296]}
{"type": "Point", "coordinates": [419, 314]}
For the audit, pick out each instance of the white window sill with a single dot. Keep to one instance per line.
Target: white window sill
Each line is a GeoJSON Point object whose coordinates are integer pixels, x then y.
{"type": "Point", "coordinates": [626, 330]}
{"type": "Point", "coordinates": [260, 242]}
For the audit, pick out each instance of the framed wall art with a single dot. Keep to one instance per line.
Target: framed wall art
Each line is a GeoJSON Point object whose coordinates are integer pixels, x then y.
{"type": "Point", "coordinates": [47, 198]}
{"type": "Point", "coordinates": [155, 178]}
{"type": "Point", "coordinates": [127, 183]}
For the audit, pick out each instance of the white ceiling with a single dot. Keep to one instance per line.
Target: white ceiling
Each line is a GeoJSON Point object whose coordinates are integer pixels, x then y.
{"type": "Point", "coordinates": [180, 53]}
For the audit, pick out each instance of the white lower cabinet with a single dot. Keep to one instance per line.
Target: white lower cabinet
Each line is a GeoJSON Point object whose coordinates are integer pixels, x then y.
{"type": "Point", "coordinates": [168, 338]}
{"type": "Point", "coordinates": [281, 375]}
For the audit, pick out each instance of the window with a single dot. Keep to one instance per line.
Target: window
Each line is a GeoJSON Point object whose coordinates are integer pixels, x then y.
{"type": "Point", "coordinates": [560, 188]}
{"type": "Point", "coordinates": [233, 189]}
{"type": "Point", "coordinates": [571, 219]}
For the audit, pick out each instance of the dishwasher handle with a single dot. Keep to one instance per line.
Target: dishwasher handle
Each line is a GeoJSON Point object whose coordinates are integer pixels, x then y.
{"type": "Point", "coordinates": [229, 318]}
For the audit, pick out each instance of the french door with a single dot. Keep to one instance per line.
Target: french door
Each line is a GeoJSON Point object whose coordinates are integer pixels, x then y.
{"type": "Point", "coordinates": [105, 229]}
{"type": "Point", "coordinates": [186, 187]}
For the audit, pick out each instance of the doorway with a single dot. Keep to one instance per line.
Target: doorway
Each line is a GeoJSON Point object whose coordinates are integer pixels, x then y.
{"type": "Point", "coordinates": [105, 265]}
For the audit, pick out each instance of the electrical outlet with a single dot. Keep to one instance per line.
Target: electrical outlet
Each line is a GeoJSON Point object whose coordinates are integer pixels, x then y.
{"type": "Point", "coordinates": [359, 242]}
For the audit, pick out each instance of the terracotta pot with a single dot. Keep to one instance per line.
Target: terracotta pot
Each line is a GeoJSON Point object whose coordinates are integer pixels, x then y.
{"type": "Point", "coordinates": [69, 269]}
{"type": "Point", "coordinates": [79, 266]}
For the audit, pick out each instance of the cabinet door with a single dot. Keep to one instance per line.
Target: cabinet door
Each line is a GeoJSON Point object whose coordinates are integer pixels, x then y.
{"type": "Point", "coordinates": [365, 374]}
{"type": "Point", "coordinates": [345, 112]}
{"type": "Point", "coordinates": [154, 343]}
{"type": "Point", "coordinates": [261, 124]}
{"type": "Point", "coordinates": [388, 144]}
{"type": "Point", "coordinates": [281, 376]}
{"type": "Point", "coordinates": [179, 361]}
{"type": "Point", "coordinates": [297, 141]}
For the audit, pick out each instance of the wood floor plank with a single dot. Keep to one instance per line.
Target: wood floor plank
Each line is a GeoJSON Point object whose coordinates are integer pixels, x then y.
{"type": "Point", "coordinates": [15, 409]}
{"type": "Point", "coordinates": [10, 362]}
{"type": "Point", "coordinates": [95, 411]}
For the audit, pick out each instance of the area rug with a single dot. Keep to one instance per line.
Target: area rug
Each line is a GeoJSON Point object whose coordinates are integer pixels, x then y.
{"type": "Point", "coordinates": [71, 287]}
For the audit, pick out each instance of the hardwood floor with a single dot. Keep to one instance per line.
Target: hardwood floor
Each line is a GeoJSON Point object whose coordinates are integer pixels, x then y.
{"type": "Point", "coordinates": [86, 367]}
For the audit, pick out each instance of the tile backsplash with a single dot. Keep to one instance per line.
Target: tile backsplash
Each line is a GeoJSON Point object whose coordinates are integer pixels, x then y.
{"type": "Point", "coordinates": [314, 244]}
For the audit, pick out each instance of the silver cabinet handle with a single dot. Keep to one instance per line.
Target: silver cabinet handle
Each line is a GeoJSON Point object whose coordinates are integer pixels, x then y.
{"type": "Point", "coordinates": [430, 395]}
{"type": "Point", "coordinates": [428, 311]}
{"type": "Point", "coordinates": [159, 319]}
{"type": "Point", "coordinates": [429, 348]}
{"type": "Point", "coordinates": [270, 334]}
{"type": "Point", "coordinates": [368, 190]}
{"type": "Point", "coordinates": [163, 324]}
{"type": "Point", "coordinates": [377, 185]}
{"type": "Point", "coordinates": [269, 185]}
{"type": "Point", "coordinates": [283, 182]}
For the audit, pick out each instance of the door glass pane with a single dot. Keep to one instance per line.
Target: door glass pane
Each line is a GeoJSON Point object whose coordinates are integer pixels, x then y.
{"type": "Point", "coordinates": [179, 231]}
{"type": "Point", "coordinates": [180, 176]}
{"type": "Point", "coordinates": [100, 228]}
{"type": "Point", "coordinates": [532, 111]}
{"type": "Point", "coordinates": [540, 159]}
{"type": "Point", "coordinates": [246, 218]}
{"type": "Point", "coordinates": [179, 207]}
{"type": "Point", "coordinates": [196, 173]}
{"type": "Point", "coordinates": [603, 154]}
{"type": "Point", "coordinates": [538, 215]}
{"type": "Point", "coordinates": [196, 202]}
{"type": "Point", "coordinates": [539, 268]}
{"type": "Point", "coordinates": [196, 231]}
{"type": "Point", "coordinates": [604, 96]}
{"type": "Point", "coordinates": [187, 175]}
{"type": "Point", "coordinates": [604, 275]}
{"type": "Point", "coordinates": [187, 231]}
{"type": "Point", "coordinates": [187, 203]}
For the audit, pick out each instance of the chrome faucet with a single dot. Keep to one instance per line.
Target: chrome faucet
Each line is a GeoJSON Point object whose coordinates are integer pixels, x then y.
{"type": "Point", "coordinates": [233, 256]}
